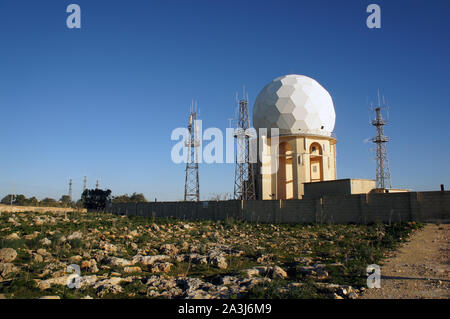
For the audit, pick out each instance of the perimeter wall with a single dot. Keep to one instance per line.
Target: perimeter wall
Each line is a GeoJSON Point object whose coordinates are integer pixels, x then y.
{"type": "Point", "coordinates": [339, 209]}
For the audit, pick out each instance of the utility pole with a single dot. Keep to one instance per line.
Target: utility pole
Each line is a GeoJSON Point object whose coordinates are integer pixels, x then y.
{"type": "Point", "coordinates": [192, 184]}
{"type": "Point", "coordinates": [12, 195]}
{"type": "Point", "coordinates": [70, 189]}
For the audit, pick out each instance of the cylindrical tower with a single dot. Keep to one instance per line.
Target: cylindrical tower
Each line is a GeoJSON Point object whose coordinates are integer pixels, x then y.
{"type": "Point", "coordinates": [303, 112]}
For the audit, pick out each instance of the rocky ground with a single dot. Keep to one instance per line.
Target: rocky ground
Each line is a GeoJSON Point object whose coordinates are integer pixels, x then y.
{"type": "Point", "coordinates": [136, 257]}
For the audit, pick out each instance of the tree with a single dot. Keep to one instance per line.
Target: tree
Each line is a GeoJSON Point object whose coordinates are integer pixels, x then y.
{"type": "Point", "coordinates": [33, 201]}
{"type": "Point", "coordinates": [138, 198]}
{"type": "Point", "coordinates": [48, 202]}
{"type": "Point", "coordinates": [20, 200]}
{"type": "Point", "coordinates": [7, 199]}
{"type": "Point", "coordinates": [135, 198]}
{"type": "Point", "coordinates": [66, 201]}
{"type": "Point", "coordinates": [96, 199]}
{"type": "Point", "coordinates": [79, 204]}
{"type": "Point", "coordinates": [121, 199]}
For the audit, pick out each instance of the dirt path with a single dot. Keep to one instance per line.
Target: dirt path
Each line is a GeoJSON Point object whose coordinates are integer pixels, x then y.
{"type": "Point", "coordinates": [420, 268]}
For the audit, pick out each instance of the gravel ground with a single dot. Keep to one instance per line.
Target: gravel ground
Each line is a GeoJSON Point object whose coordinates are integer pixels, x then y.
{"type": "Point", "coordinates": [420, 269]}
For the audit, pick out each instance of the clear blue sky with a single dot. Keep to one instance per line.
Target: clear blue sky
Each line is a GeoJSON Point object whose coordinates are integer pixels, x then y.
{"type": "Point", "coordinates": [102, 101]}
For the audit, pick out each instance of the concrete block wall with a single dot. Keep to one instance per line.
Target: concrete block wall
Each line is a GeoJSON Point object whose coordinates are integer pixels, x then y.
{"type": "Point", "coordinates": [334, 209]}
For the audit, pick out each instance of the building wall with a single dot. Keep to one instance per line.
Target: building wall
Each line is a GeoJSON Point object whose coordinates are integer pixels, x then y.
{"type": "Point", "coordinates": [336, 209]}
{"type": "Point", "coordinates": [362, 186]}
{"type": "Point", "coordinates": [300, 147]}
{"type": "Point", "coordinates": [338, 187]}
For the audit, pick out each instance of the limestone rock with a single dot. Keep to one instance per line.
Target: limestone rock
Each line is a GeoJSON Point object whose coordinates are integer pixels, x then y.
{"type": "Point", "coordinates": [89, 265]}
{"type": "Point", "coordinates": [149, 260]}
{"type": "Point", "coordinates": [75, 235]}
{"type": "Point", "coordinates": [7, 268]}
{"type": "Point", "coordinates": [7, 255]}
{"type": "Point", "coordinates": [219, 262]}
{"type": "Point", "coordinates": [161, 267]}
{"type": "Point", "coordinates": [115, 261]}
{"type": "Point", "coordinates": [37, 258]}
{"type": "Point", "coordinates": [196, 258]}
{"type": "Point", "coordinates": [169, 249]}
{"type": "Point", "coordinates": [43, 252]}
{"type": "Point", "coordinates": [31, 236]}
{"type": "Point", "coordinates": [46, 242]}
{"type": "Point", "coordinates": [154, 227]}
{"type": "Point", "coordinates": [12, 236]}
{"type": "Point", "coordinates": [75, 259]}
{"type": "Point", "coordinates": [278, 272]}
{"type": "Point", "coordinates": [107, 247]}
{"type": "Point", "coordinates": [46, 284]}
{"type": "Point", "coordinates": [132, 269]}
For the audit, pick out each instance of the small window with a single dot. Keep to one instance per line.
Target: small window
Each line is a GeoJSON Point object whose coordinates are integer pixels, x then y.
{"type": "Point", "coordinates": [313, 149]}
{"type": "Point", "coordinates": [314, 169]}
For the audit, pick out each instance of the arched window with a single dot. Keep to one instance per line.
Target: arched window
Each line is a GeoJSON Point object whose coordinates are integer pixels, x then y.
{"type": "Point", "coordinates": [316, 162]}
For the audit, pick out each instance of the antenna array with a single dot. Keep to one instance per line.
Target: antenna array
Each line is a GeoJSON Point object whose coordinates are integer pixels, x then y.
{"type": "Point", "coordinates": [192, 185]}
{"type": "Point", "coordinates": [383, 174]}
{"type": "Point", "coordinates": [244, 177]}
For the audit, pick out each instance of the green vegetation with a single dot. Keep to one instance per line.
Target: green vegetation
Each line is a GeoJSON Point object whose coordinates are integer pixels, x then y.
{"type": "Point", "coordinates": [343, 250]}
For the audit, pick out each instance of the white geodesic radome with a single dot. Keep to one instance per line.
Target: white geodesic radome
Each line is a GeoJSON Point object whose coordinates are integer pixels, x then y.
{"type": "Point", "coordinates": [297, 105]}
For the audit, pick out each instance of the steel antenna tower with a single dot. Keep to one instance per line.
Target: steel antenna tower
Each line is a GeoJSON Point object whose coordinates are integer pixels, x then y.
{"type": "Point", "coordinates": [383, 178]}
{"type": "Point", "coordinates": [192, 185]}
{"type": "Point", "coordinates": [70, 189]}
{"type": "Point", "coordinates": [84, 183]}
{"type": "Point", "coordinates": [96, 184]}
{"type": "Point", "coordinates": [244, 176]}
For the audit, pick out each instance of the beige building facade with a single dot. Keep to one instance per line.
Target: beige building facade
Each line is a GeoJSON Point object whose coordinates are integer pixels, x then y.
{"type": "Point", "coordinates": [300, 159]}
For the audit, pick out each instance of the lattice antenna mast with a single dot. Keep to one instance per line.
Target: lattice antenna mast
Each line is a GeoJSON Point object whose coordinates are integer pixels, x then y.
{"type": "Point", "coordinates": [383, 175]}
{"type": "Point", "coordinates": [84, 183]}
{"type": "Point", "coordinates": [96, 185]}
{"type": "Point", "coordinates": [192, 184]}
{"type": "Point", "coordinates": [70, 189]}
{"type": "Point", "coordinates": [244, 177]}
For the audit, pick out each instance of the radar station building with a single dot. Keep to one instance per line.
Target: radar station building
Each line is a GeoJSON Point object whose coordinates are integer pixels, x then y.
{"type": "Point", "coordinates": [304, 114]}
